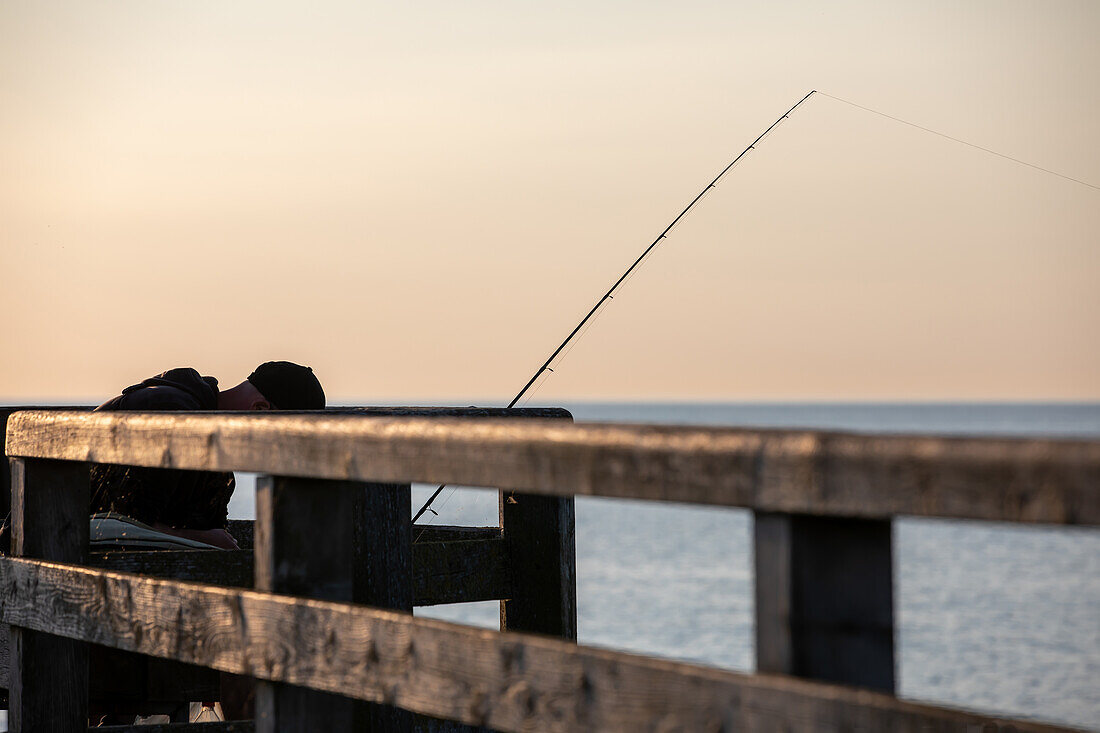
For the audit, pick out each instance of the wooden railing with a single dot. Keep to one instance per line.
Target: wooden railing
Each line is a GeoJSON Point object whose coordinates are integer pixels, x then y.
{"type": "Point", "coordinates": [332, 524]}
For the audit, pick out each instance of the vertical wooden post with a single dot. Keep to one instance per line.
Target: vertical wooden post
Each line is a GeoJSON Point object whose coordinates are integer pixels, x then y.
{"type": "Point", "coordinates": [824, 599]}
{"type": "Point", "coordinates": [5, 474]}
{"type": "Point", "coordinates": [383, 575]}
{"type": "Point", "coordinates": [5, 536]}
{"type": "Point", "coordinates": [304, 546]}
{"type": "Point", "coordinates": [49, 674]}
{"type": "Point", "coordinates": [340, 541]}
{"type": "Point", "coordinates": [541, 535]}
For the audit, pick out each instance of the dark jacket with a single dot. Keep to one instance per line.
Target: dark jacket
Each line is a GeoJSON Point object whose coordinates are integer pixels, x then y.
{"type": "Point", "coordinates": [182, 499]}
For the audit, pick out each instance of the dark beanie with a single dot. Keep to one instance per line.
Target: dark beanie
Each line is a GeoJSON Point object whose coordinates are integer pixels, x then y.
{"type": "Point", "coordinates": [288, 386]}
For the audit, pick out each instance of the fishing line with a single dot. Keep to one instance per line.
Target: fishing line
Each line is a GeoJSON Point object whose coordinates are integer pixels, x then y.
{"type": "Point", "coordinates": [609, 295]}
{"type": "Point", "coordinates": [565, 354]}
{"type": "Point", "coordinates": [960, 141]}
{"type": "Point", "coordinates": [538, 385]}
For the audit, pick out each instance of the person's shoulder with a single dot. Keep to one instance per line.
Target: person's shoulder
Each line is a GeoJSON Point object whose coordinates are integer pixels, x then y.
{"type": "Point", "coordinates": [182, 388]}
{"type": "Point", "coordinates": [158, 397]}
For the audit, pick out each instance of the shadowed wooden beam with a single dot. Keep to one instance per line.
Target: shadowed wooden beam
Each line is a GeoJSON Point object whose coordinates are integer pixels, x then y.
{"type": "Point", "coordinates": [48, 677]}
{"type": "Point", "coordinates": [542, 560]}
{"type": "Point", "coordinates": [450, 533]}
{"type": "Point", "coordinates": [460, 572]}
{"type": "Point", "coordinates": [832, 474]}
{"type": "Point", "coordinates": [242, 531]}
{"type": "Point", "coordinates": [383, 577]}
{"type": "Point", "coordinates": [232, 568]}
{"type": "Point", "coordinates": [443, 572]}
{"type": "Point", "coordinates": [510, 682]}
{"type": "Point", "coordinates": [333, 540]}
{"type": "Point", "coordinates": [824, 599]}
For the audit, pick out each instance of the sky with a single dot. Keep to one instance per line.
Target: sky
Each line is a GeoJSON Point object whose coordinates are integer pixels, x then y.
{"type": "Point", "coordinates": [420, 200]}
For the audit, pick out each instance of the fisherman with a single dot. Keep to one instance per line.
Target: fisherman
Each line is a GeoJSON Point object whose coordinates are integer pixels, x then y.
{"type": "Point", "coordinates": [192, 505]}
{"type": "Point", "coordinates": [143, 508]}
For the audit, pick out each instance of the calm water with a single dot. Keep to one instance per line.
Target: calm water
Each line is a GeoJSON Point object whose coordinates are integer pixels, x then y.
{"type": "Point", "coordinates": [992, 617]}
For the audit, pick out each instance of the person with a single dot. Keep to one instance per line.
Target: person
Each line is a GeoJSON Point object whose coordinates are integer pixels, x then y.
{"type": "Point", "coordinates": [194, 504]}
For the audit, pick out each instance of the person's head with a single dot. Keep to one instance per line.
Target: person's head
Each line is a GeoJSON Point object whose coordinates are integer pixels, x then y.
{"type": "Point", "coordinates": [275, 385]}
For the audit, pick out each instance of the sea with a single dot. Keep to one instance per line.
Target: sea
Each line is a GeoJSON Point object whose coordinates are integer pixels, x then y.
{"type": "Point", "coordinates": [990, 617]}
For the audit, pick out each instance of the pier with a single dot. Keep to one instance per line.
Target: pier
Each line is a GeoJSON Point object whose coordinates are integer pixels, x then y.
{"type": "Point", "coordinates": [318, 608]}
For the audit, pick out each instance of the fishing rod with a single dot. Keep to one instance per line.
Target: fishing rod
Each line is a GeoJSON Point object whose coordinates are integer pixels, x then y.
{"type": "Point", "coordinates": [609, 295]}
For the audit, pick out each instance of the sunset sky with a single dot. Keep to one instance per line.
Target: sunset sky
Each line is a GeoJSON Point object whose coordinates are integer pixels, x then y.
{"type": "Point", "coordinates": [420, 200]}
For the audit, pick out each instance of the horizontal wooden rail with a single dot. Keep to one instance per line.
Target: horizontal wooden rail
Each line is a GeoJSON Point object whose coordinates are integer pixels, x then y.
{"type": "Point", "coordinates": [443, 572]}
{"type": "Point", "coordinates": [244, 529]}
{"type": "Point", "coordinates": [460, 572]}
{"type": "Point", "coordinates": [508, 681]}
{"type": "Point", "coordinates": [836, 474]}
{"type": "Point", "coordinates": [233, 568]}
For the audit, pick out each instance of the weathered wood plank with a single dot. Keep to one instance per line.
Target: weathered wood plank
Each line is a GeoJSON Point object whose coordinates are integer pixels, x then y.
{"type": "Point", "coordinates": [383, 576]}
{"type": "Point", "coordinates": [5, 474]}
{"type": "Point", "coordinates": [542, 557]}
{"type": "Point", "coordinates": [366, 411]}
{"type": "Point", "coordinates": [226, 567]}
{"type": "Point", "coordinates": [452, 533]}
{"type": "Point", "coordinates": [5, 548]}
{"type": "Point", "coordinates": [460, 572]}
{"type": "Point", "coordinates": [464, 571]}
{"type": "Point", "coordinates": [512, 682]}
{"type": "Point", "coordinates": [242, 531]}
{"type": "Point", "coordinates": [824, 599]}
{"type": "Point", "coordinates": [305, 546]}
{"type": "Point", "coordinates": [48, 680]}
{"type": "Point", "coordinates": [785, 472]}
{"type": "Point", "coordinates": [443, 572]}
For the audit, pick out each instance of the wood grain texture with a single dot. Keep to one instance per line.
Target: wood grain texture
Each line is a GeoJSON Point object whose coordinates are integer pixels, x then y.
{"type": "Point", "coordinates": [5, 474]}
{"type": "Point", "coordinates": [836, 474]}
{"type": "Point", "coordinates": [460, 572]}
{"type": "Point", "coordinates": [511, 682]}
{"type": "Point", "coordinates": [465, 570]}
{"type": "Point", "coordinates": [383, 576]}
{"type": "Point", "coordinates": [305, 545]}
{"type": "Point", "coordinates": [48, 678]}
